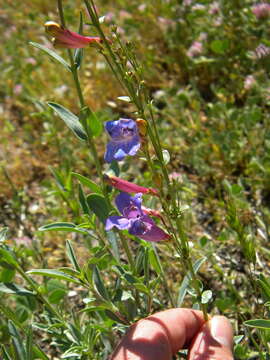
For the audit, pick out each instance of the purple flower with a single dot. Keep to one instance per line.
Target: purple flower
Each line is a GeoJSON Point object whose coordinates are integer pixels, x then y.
{"type": "Point", "coordinates": [125, 139]}
{"type": "Point", "coordinates": [134, 219]}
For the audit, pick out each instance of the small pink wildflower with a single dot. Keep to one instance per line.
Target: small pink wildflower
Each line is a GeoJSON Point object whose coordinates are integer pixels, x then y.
{"type": "Point", "coordinates": [142, 7]}
{"type": "Point", "coordinates": [123, 14]}
{"type": "Point", "coordinates": [127, 186]}
{"type": "Point", "coordinates": [175, 176]}
{"type": "Point", "coordinates": [260, 52]}
{"type": "Point", "coordinates": [69, 39]}
{"type": "Point", "coordinates": [249, 82]}
{"type": "Point", "coordinates": [18, 89]}
{"type": "Point", "coordinates": [23, 240]}
{"type": "Point", "coordinates": [261, 10]}
{"type": "Point", "coordinates": [214, 8]}
{"type": "Point", "coordinates": [195, 49]}
{"type": "Point", "coordinates": [187, 2]}
{"type": "Point", "coordinates": [31, 61]}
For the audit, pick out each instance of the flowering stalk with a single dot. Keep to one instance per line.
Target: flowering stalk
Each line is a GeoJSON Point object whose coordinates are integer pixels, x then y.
{"type": "Point", "coordinates": [142, 101]}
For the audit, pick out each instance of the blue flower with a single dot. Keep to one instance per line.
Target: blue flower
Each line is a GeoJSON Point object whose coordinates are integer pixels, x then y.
{"type": "Point", "coordinates": [125, 139]}
{"type": "Point", "coordinates": [134, 219]}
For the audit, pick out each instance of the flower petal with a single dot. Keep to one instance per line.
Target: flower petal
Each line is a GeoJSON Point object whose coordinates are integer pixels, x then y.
{"type": "Point", "coordinates": [112, 148]}
{"type": "Point", "coordinates": [119, 222]}
{"type": "Point", "coordinates": [146, 229]}
{"type": "Point", "coordinates": [122, 201]}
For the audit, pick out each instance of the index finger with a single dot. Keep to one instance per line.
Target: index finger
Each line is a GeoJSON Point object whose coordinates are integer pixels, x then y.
{"type": "Point", "coordinates": [159, 336]}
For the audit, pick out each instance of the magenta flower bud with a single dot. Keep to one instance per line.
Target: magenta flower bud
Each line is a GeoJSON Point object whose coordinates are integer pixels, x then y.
{"type": "Point", "coordinates": [68, 39]}
{"type": "Point", "coordinates": [127, 186]}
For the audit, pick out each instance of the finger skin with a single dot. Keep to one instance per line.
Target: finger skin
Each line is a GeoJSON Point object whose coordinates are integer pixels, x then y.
{"type": "Point", "coordinates": [214, 341]}
{"type": "Point", "coordinates": [159, 336]}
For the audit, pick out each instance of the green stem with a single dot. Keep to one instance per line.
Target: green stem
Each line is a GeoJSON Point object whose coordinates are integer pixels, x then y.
{"type": "Point", "coordinates": [164, 278]}
{"type": "Point", "coordinates": [82, 105]}
{"type": "Point", "coordinates": [127, 250]}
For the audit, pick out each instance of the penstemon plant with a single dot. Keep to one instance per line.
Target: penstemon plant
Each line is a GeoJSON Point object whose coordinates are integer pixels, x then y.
{"type": "Point", "coordinates": [127, 137]}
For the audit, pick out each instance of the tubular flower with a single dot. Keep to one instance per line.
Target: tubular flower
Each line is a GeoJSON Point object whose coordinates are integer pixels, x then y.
{"type": "Point", "coordinates": [127, 186]}
{"type": "Point", "coordinates": [68, 39]}
{"type": "Point", "coordinates": [125, 139]}
{"type": "Point", "coordinates": [134, 219]}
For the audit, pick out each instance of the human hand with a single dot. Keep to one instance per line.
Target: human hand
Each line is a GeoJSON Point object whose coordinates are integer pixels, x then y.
{"type": "Point", "coordinates": [160, 336]}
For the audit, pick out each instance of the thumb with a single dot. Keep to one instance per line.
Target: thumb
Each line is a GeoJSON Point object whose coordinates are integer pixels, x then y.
{"type": "Point", "coordinates": [214, 341]}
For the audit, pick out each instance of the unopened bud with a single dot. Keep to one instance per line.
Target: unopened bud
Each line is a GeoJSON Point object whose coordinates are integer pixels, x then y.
{"type": "Point", "coordinates": [142, 127]}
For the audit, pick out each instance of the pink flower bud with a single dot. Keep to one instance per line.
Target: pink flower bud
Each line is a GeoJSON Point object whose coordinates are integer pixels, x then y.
{"type": "Point", "coordinates": [127, 186]}
{"type": "Point", "coordinates": [68, 39]}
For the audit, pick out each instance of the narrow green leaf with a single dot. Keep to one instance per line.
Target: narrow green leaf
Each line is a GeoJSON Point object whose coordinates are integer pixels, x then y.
{"type": "Point", "coordinates": [17, 342]}
{"type": "Point", "coordinates": [115, 317]}
{"type": "Point", "coordinates": [95, 125]}
{"type": "Point", "coordinates": [98, 205]}
{"type": "Point", "coordinates": [3, 234]}
{"type": "Point", "coordinates": [52, 54]}
{"type": "Point", "coordinates": [89, 183]}
{"type": "Point", "coordinates": [62, 226]}
{"type": "Point", "coordinates": [39, 353]}
{"type": "Point", "coordinates": [54, 274]}
{"type": "Point", "coordinates": [5, 354]}
{"type": "Point", "coordinates": [237, 339]}
{"type": "Point", "coordinates": [29, 343]}
{"type": "Point", "coordinates": [258, 323]}
{"type": "Point", "coordinates": [72, 257]}
{"type": "Point", "coordinates": [71, 120]}
{"type": "Point", "coordinates": [78, 57]}
{"type": "Point", "coordinates": [187, 279]}
{"type": "Point", "coordinates": [10, 314]}
{"type": "Point", "coordinates": [99, 285]}
{"type": "Point", "coordinates": [265, 286]}
{"type": "Point", "coordinates": [154, 259]}
{"type": "Point", "coordinates": [10, 288]}
{"type": "Point", "coordinates": [83, 201]}
{"type": "Point", "coordinates": [114, 244]}
{"type": "Point", "coordinates": [59, 179]}
{"type": "Point", "coordinates": [78, 54]}
{"type": "Point", "coordinates": [142, 288]}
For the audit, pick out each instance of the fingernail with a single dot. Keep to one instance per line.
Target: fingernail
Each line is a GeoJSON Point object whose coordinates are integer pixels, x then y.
{"type": "Point", "coordinates": [219, 331]}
